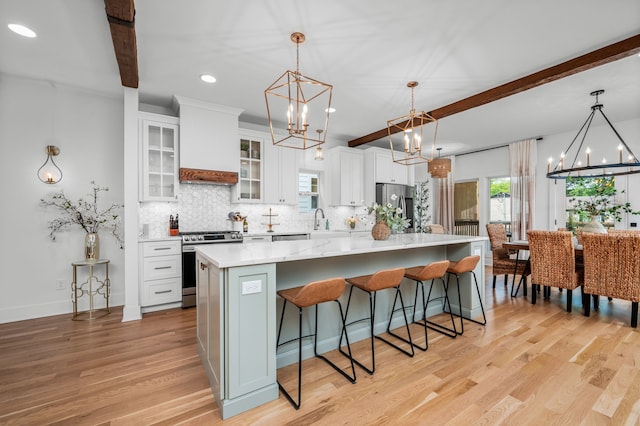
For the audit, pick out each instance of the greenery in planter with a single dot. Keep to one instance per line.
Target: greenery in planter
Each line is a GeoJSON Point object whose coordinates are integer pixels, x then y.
{"type": "Point", "coordinates": [595, 198]}
{"type": "Point", "coordinates": [390, 215]}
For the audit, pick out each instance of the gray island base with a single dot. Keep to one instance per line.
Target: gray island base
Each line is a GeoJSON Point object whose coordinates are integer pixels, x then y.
{"type": "Point", "coordinates": [238, 309]}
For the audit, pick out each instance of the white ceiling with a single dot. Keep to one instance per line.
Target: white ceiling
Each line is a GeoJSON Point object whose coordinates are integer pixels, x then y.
{"type": "Point", "coordinates": [368, 50]}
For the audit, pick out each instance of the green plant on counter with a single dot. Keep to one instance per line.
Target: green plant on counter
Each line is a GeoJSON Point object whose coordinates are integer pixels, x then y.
{"type": "Point", "coordinates": [84, 213]}
{"type": "Point", "coordinates": [390, 215]}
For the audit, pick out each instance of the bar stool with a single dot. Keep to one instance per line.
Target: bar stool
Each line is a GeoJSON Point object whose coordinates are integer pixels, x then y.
{"type": "Point", "coordinates": [457, 268]}
{"type": "Point", "coordinates": [313, 294]}
{"type": "Point", "coordinates": [371, 284]}
{"type": "Point", "coordinates": [420, 274]}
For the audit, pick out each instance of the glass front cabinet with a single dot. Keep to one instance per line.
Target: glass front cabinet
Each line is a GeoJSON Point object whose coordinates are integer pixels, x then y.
{"type": "Point", "coordinates": [159, 181]}
{"type": "Point", "coordinates": [249, 187]}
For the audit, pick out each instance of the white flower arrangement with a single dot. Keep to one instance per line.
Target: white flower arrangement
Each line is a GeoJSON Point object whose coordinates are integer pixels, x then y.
{"type": "Point", "coordinates": [84, 213]}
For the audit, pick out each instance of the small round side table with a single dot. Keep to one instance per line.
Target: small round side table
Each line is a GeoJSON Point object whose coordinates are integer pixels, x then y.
{"type": "Point", "coordinates": [91, 287]}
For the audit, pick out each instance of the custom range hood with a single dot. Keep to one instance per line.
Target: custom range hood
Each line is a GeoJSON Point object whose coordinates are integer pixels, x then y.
{"type": "Point", "coordinates": [211, 177]}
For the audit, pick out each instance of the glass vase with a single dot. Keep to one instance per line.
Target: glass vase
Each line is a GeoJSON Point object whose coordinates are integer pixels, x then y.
{"type": "Point", "coordinates": [91, 246]}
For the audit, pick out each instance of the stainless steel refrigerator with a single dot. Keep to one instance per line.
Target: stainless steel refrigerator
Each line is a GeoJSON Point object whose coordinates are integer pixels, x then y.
{"type": "Point", "coordinates": [405, 194]}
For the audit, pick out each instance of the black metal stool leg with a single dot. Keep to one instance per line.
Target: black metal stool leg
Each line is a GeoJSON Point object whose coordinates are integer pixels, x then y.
{"type": "Point", "coordinates": [450, 332]}
{"type": "Point", "coordinates": [462, 317]}
{"type": "Point", "coordinates": [295, 404]}
{"type": "Point", "coordinates": [352, 378]}
{"type": "Point", "coordinates": [406, 323]}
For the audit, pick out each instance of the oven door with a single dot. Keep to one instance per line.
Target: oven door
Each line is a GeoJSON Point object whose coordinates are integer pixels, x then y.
{"type": "Point", "coordinates": [188, 276]}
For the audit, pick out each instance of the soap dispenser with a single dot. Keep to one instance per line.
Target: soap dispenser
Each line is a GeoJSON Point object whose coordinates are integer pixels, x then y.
{"type": "Point", "coordinates": [326, 225]}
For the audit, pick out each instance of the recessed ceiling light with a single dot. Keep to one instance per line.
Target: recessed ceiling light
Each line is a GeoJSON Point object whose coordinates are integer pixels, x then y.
{"type": "Point", "coordinates": [207, 78]}
{"type": "Point", "coordinates": [22, 30]}
{"type": "Point", "coordinates": [330, 110]}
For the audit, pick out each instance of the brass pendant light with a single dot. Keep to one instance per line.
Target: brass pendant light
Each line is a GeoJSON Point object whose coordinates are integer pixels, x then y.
{"type": "Point", "coordinates": [300, 103]}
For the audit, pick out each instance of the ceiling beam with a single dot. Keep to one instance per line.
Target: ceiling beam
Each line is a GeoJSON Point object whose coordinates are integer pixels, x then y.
{"type": "Point", "coordinates": [610, 53]}
{"type": "Point", "coordinates": [121, 17]}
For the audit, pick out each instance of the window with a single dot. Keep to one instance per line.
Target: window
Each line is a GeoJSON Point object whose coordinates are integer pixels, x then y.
{"type": "Point", "coordinates": [500, 200]}
{"type": "Point", "coordinates": [582, 192]}
{"type": "Point", "coordinates": [308, 192]}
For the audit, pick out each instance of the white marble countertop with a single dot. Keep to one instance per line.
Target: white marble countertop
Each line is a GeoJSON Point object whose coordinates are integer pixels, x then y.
{"type": "Point", "coordinates": [231, 255]}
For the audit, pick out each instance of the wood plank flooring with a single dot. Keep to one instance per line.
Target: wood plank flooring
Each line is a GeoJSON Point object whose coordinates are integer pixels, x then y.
{"type": "Point", "coordinates": [529, 365]}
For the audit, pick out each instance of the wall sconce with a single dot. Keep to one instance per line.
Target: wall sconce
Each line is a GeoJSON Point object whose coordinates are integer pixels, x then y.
{"type": "Point", "coordinates": [49, 172]}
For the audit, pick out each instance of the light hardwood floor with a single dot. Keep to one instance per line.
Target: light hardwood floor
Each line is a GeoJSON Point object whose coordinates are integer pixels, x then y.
{"type": "Point", "coordinates": [529, 365]}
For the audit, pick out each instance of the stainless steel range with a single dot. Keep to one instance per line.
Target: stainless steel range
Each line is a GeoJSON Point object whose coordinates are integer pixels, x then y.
{"type": "Point", "coordinates": [189, 242]}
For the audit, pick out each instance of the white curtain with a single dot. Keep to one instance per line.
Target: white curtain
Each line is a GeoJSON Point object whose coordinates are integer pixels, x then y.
{"type": "Point", "coordinates": [444, 210]}
{"type": "Point", "coordinates": [523, 159]}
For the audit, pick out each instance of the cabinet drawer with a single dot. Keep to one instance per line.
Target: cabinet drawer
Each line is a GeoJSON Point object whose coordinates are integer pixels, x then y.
{"type": "Point", "coordinates": [161, 291]}
{"type": "Point", "coordinates": [162, 267]}
{"type": "Point", "coordinates": [257, 239]}
{"type": "Point", "coordinates": [161, 248]}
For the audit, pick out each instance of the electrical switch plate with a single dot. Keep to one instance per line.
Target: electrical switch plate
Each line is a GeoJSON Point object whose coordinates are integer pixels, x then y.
{"type": "Point", "coordinates": [251, 287]}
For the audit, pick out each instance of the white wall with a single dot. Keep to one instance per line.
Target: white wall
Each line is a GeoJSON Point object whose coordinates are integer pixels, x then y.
{"type": "Point", "coordinates": [550, 192]}
{"type": "Point", "coordinates": [88, 129]}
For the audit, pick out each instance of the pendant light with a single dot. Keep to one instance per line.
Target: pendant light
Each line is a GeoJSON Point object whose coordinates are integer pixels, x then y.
{"type": "Point", "coordinates": [409, 127]}
{"type": "Point", "coordinates": [319, 156]}
{"type": "Point", "coordinates": [439, 167]}
{"type": "Point", "coordinates": [49, 172]}
{"type": "Point", "coordinates": [300, 103]}
{"type": "Point", "coordinates": [622, 161]}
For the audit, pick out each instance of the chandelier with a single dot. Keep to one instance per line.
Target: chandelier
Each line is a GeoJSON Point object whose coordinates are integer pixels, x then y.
{"type": "Point", "coordinates": [302, 101]}
{"type": "Point", "coordinates": [410, 127]}
{"type": "Point", "coordinates": [439, 167]}
{"type": "Point", "coordinates": [627, 163]}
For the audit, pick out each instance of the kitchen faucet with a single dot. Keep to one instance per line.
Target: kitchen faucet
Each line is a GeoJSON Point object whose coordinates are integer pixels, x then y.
{"type": "Point", "coordinates": [316, 223]}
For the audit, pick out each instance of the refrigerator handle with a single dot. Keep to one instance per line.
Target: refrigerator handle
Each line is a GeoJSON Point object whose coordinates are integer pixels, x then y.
{"type": "Point", "coordinates": [403, 206]}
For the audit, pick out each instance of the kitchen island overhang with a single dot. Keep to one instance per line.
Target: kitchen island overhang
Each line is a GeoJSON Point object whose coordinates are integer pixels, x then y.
{"type": "Point", "coordinates": [238, 308]}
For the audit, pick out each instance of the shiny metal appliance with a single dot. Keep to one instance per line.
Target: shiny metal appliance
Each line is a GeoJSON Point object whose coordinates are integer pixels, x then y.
{"type": "Point", "coordinates": [189, 242]}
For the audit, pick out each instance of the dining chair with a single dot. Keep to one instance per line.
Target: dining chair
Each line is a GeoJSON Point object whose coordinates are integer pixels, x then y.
{"type": "Point", "coordinates": [612, 268]}
{"type": "Point", "coordinates": [553, 263]}
{"type": "Point", "coordinates": [436, 229]}
{"type": "Point", "coordinates": [503, 263]}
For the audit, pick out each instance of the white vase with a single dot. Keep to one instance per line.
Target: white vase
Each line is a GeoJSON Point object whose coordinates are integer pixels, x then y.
{"type": "Point", "coordinates": [594, 227]}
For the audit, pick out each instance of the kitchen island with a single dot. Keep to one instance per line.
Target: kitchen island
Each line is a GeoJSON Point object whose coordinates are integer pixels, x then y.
{"type": "Point", "coordinates": [237, 306]}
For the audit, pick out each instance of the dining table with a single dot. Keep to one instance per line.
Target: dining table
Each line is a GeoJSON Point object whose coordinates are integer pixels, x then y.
{"type": "Point", "coordinates": [523, 245]}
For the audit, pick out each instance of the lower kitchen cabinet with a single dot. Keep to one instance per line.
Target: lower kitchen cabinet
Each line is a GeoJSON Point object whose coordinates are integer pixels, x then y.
{"type": "Point", "coordinates": [236, 333]}
{"type": "Point", "coordinates": [161, 273]}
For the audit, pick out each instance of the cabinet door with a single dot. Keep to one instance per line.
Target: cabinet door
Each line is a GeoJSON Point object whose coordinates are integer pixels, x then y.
{"type": "Point", "coordinates": [159, 161]}
{"type": "Point", "coordinates": [250, 180]}
{"type": "Point", "coordinates": [386, 171]}
{"type": "Point", "coordinates": [350, 179]}
{"type": "Point", "coordinates": [288, 176]}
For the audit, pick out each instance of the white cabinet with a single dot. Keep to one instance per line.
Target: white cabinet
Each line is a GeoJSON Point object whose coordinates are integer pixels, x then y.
{"type": "Point", "coordinates": [386, 171]}
{"type": "Point", "coordinates": [280, 174]}
{"type": "Point", "coordinates": [159, 155]}
{"type": "Point", "coordinates": [251, 165]}
{"type": "Point", "coordinates": [161, 272]}
{"type": "Point", "coordinates": [208, 135]}
{"type": "Point", "coordinates": [346, 165]}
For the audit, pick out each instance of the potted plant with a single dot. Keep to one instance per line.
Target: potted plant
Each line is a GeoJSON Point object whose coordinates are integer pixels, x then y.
{"type": "Point", "coordinates": [389, 217]}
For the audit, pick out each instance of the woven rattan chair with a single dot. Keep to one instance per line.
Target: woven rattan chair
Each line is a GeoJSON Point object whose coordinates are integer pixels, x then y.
{"type": "Point", "coordinates": [436, 229]}
{"type": "Point", "coordinates": [503, 264]}
{"type": "Point", "coordinates": [612, 268]}
{"type": "Point", "coordinates": [623, 232]}
{"type": "Point", "coordinates": [553, 263]}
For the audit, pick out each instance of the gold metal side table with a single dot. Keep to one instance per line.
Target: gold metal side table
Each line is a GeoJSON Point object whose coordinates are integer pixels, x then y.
{"type": "Point", "coordinates": [102, 287]}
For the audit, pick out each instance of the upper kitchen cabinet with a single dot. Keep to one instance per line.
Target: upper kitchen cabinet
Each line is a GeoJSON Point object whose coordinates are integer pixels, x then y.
{"type": "Point", "coordinates": [251, 165]}
{"type": "Point", "coordinates": [346, 166]}
{"type": "Point", "coordinates": [159, 157]}
{"type": "Point", "coordinates": [384, 170]}
{"type": "Point", "coordinates": [281, 173]}
{"type": "Point", "coordinates": [208, 135]}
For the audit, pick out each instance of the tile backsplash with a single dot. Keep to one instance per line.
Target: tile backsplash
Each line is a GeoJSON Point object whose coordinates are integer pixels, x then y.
{"type": "Point", "coordinates": [206, 208]}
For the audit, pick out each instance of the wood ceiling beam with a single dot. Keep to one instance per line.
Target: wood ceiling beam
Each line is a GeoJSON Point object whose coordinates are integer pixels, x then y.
{"type": "Point", "coordinates": [121, 16]}
{"type": "Point", "coordinates": [610, 53]}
